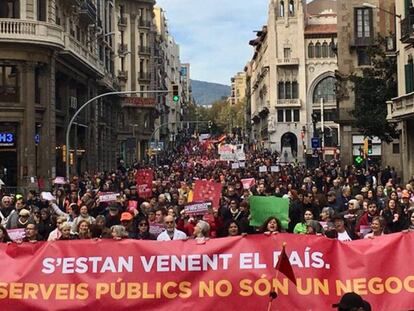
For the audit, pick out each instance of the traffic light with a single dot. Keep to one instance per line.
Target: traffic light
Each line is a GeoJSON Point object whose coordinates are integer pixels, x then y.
{"type": "Point", "coordinates": [64, 153]}
{"type": "Point", "coordinates": [366, 146]}
{"type": "Point", "coordinates": [369, 146]}
{"type": "Point", "coordinates": [175, 95]}
{"type": "Point", "coordinates": [210, 124]}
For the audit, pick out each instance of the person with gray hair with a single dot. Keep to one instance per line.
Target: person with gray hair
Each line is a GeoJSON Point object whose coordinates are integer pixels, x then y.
{"type": "Point", "coordinates": [119, 232]}
{"type": "Point", "coordinates": [201, 229]}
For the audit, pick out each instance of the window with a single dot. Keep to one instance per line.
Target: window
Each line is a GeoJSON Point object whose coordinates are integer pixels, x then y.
{"type": "Point", "coordinates": [318, 50]}
{"type": "Point", "coordinates": [326, 90]}
{"type": "Point", "coordinates": [363, 58]}
{"type": "Point", "coordinates": [9, 88]}
{"type": "Point", "coordinates": [9, 9]}
{"type": "Point", "coordinates": [41, 10]}
{"type": "Point", "coordinates": [311, 50]}
{"type": "Point", "coordinates": [332, 49]}
{"type": "Point", "coordinates": [281, 90]}
{"type": "Point", "coordinates": [295, 91]}
{"type": "Point", "coordinates": [37, 86]}
{"type": "Point", "coordinates": [325, 51]}
{"type": "Point", "coordinates": [409, 76]}
{"type": "Point", "coordinates": [288, 90]}
{"type": "Point", "coordinates": [296, 115]}
{"type": "Point", "coordinates": [363, 23]}
{"type": "Point", "coordinates": [291, 8]}
{"type": "Point", "coordinates": [282, 8]}
{"type": "Point", "coordinates": [396, 148]}
{"type": "Point", "coordinates": [288, 115]}
{"type": "Point", "coordinates": [286, 52]}
{"type": "Point", "coordinates": [280, 115]}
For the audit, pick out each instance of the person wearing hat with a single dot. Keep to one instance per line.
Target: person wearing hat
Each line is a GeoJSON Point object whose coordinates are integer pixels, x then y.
{"type": "Point", "coordinates": [23, 219]}
{"type": "Point", "coordinates": [12, 222]}
{"type": "Point", "coordinates": [127, 223]}
{"type": "Point", "coordinates": [341, 233]}
{"type": "Point", "coordinates": [352, 302]}
{"type": "Point", "coordinates": [113, 217]}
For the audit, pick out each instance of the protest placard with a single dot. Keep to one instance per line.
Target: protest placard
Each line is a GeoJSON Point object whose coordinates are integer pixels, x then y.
{"type": "Point", "coordinates": [262, 208]}
{"type": "Point", "coordinates": [197, 208]}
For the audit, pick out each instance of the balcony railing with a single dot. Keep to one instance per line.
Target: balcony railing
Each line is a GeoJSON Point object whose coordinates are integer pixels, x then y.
{"type": "Point", "coordinates": [122, 49]}
{"type": "Point", "coordinates": [362, 42]}
{"type": "Point", "coordinates": [401, 107]}
{"type": "Point", "coordinates": [88, 11]}
{"type": "Point", "coordinates": [288, 61]}
{"type": "Point", "coordinates": [83, 54]}
{"type": "Point", "coordinates": [407, 29]}
{"type": "Point", "coordinates": [144, 23]}
{"type": "Point", "coordinates": [145, 50]}
{"type": "Point", "coordinates": [14, 30]}
{"type": "Point", "coordinates": [294, 102]}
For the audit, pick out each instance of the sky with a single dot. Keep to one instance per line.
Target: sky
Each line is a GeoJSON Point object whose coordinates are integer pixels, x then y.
{"type": "Point", "coordinates": [214, 35]}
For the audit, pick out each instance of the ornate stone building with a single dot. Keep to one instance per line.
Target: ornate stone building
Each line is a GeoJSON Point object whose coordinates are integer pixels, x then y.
{"type": "Point", "coordinates": [291, 76]}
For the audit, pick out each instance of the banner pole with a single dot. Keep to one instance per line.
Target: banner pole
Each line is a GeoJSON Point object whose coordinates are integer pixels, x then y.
{"type": "Point", "coordinates": [272, 295]}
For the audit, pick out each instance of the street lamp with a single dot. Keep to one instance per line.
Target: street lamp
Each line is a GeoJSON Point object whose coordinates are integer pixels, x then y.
{"type": "Point", "coordinates": [86, 104]}
{"type": "Point", "coordinates": [373, 6]}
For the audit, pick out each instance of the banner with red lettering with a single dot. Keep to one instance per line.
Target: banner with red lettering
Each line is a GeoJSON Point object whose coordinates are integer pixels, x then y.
{"type": "Point", "coordinates": [205, 190]}
{"type": "Point", "coordinates": [144, 178]}
{"type": "Point", "coordinates": [229, 273]}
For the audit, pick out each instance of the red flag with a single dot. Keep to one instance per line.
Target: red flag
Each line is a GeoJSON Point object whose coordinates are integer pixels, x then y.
{"type": "Point", "coordinates": [284, 266]}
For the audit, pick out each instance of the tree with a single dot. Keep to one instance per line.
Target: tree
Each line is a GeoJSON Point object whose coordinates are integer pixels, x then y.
{"type": "Point", "coordinates": [373, 87]}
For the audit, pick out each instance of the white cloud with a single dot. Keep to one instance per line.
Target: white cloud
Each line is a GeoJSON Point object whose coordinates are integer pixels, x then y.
{"type": "Point", "coordinates": [213, 34]}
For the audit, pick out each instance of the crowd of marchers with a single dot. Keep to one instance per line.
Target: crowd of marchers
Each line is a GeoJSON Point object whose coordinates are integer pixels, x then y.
{"type": "Point", "coordinates": [340, 202]}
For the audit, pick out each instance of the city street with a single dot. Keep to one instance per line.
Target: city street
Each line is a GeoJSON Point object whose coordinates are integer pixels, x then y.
{"type": "Point", "coordinates": [239, 155]}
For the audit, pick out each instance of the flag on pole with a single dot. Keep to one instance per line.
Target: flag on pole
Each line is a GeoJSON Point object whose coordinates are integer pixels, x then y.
{"type": "Point", "coordinates": [283, 265]}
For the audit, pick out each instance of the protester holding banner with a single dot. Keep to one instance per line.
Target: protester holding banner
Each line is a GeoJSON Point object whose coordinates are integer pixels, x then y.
{"type": "Point", "coordinates": [4, 236]}
{"type": "Point", "coordinates": [83, 229]}
{"type": "Point", "coordinates": [171, 233]}
{"type": "Point", "coordinates": [143, 230]}
{"type": "Point", "coordinates": [272, 225]}
{"type": "Point", "coordinates": [377, 227]}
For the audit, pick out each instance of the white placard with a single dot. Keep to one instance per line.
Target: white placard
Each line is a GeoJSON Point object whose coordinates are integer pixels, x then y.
{"type": "Point", "coordinates": [16, 234]}
{"type": "Point", "coordinates": [108, 197]}
{"type": "Point", "coordinates": [235, 166]}
{"type": "Point", "coordinates": [242, 164]}
{"type": "Point", "coordinates": [47, 196]}
{"type": "Point", "coordinates": [262, 169]}
{"type": "Point", "coordinates": [274, 168]}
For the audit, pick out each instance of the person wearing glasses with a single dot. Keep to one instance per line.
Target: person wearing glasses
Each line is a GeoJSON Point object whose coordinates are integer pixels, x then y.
{"type": "Point", "coordinates": [143, 231]}
{"type": "Point", "coordinates": [171, 233]}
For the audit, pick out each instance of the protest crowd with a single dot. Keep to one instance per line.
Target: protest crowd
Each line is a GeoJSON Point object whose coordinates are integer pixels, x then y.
{"type": "Point", "coordinates": [188, 192]}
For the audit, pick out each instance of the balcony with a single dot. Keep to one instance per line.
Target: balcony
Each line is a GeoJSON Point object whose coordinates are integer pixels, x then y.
{"type": "Point", "coordinates": [288, 61]}
{"type": "Point", "coordinates": [122, 49]}
{"type": "Point", "coordinates": [361, 42]}
{"type": "Point", "coordinates": [407, 29]}
{"type": "Point", "coordinates": [401, 107]}
{"type": "Point", "coordinates": [78, 52]}
{"type": "Point", "coordinates": [288, 103]}
{"type": "Point", "coordinates": [145, 50]}
{"type": "Point", "coordinates": [122, 75]}
{"type": "Point", "coordinates": [144, 77]}
{"type": "Point", "coordinates": [87, 11]}
{"type": "Point", "coordinates": [144, 24]}
{"type": "Point", "coordinates": [32, 32]}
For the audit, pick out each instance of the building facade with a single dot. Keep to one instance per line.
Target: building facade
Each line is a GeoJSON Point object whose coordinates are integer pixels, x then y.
{"type": "Point", "coordinates": [135, 65]}
{"type": "Point", "coordinates": [171, 72]}
{"type": "Point", "coordinates": [291, 77]}
{"type": "Point", "coordinates": [401, 109]}
{"type": "Point", "coordinates": [54, 56]}
{"type": "Point", "coordinates": [359, 26]}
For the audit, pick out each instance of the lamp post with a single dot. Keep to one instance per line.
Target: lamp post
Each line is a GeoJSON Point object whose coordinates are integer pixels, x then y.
{"type": "Point", "coordinates": [373, 6]}
{"type": "Point", "coordinates": [86, 104]}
